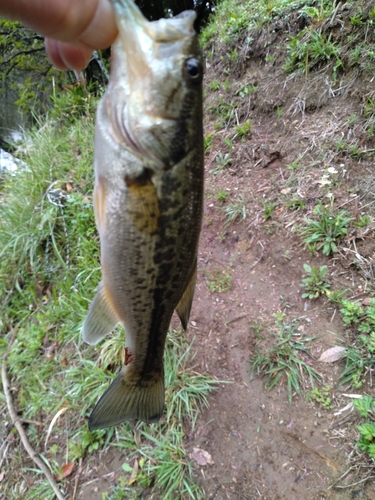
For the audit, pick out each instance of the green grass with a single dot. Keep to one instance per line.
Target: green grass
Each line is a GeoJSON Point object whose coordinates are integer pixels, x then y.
{"type": "Point", "coordinates": [288, 359]}
{"type": "Point", "coordinates": [49, 267]}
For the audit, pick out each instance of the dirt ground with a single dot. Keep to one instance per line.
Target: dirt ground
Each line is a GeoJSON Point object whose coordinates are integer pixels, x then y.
{"type": "Point", "coordinates": [261, 445]}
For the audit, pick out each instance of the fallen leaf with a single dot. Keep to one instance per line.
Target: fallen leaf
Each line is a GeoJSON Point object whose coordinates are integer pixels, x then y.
{"type": "Point", "coordinates": [69, 187]}
{"type": "Point", "coordinates": [367, 301]}
{"type": "Point", "coordinates": [1, 476]}
{"type": "Point", "coordinates": [332, 354]}
{"type": "Point", "coordinates": [133, 476]}
{"type": "Point", "coordinates": [66, 470]}
{"type": "Point", "coordinates": [64, 362]}
{"type": "Point", "coordinates": [202, 457]}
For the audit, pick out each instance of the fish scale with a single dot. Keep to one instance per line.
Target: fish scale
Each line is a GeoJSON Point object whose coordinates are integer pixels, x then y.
{"type": "Point", "coordinates": [148, 202]}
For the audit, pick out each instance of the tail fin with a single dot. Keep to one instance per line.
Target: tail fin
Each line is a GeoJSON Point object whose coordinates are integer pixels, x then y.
{"type": "Point", "coordinates": [127, 399]}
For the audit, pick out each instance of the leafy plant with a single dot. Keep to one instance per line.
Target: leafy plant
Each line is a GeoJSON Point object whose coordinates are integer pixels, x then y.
{"type": "Point", "coordinates": [269, 208]}
{"type": "Point", "coordinates": [219, 281]}
{"type": "Point", "coordinates": [315, 283]}
{"type": "Point", "coordinates": [222, 195]}
{"type": "Point", "coordinates": [236, 210]}
{"type": "Point", "coordinates": [323, 232]}
{"type": "Point", "coordinates": [321, 396]}
{"type": "Point", "coordinates": [359, 357]}
{"type": "Point", "coordinates": [364, 405]}
{"type": "Point", "coordinates": [289, 358]}
{"type": "Point", "coordinates": [222, 160]}
{"type": "Point", "coordinates": [243, 129]}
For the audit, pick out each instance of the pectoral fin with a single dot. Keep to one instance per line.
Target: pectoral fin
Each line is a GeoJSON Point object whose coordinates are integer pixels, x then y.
{"type": "Point", "coordinates": [184, 306]}
{"type": "Point", "coordinates": [101, 318]}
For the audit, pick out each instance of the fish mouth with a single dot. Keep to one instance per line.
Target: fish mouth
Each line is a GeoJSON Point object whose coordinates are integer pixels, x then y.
{"type": "Point", "coordinates": [145, 42]}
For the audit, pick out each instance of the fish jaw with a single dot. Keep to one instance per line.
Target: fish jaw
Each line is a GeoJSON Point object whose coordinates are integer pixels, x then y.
{"type": "Point", "coordinates": [156, 76]}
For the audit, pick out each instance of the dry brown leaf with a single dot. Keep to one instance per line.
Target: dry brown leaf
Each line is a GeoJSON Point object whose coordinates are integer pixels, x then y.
{"type": "Point", "coordinates": [202, 457]}
{"type": "Point", "coordinates": [66, 470]}
{"type": "Point", "coordinates": [332, 354]}
{"type": "Point", "coordinates": [133, 475]}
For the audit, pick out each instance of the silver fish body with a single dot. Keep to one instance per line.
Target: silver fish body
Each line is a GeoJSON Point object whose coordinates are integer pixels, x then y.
{"type": "Point", "coordinates": [148, 202]}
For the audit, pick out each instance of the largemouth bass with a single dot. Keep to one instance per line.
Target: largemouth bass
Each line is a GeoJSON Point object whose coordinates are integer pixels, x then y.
{"type": "Point", "coordinates": [148, 202]}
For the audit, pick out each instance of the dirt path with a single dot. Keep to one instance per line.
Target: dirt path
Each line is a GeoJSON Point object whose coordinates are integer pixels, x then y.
{"type": "Point", "coordinates": [263, 446]}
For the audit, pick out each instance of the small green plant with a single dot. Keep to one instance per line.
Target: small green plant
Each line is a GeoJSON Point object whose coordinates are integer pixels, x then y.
{"type": "Point", "coordinates": [269, 208]}
{"type": "Point", "coordinates": [363, 221]}
{"type": "Point", "coordinates": [246, 90]}
{"type": "Point", "coordinates": [367, 435]}
{"type": "Point", "coordinates": [228, 141]}
{"type": "Point", "coordinates": [214, 84]}
{"type": "Point", "coordinates": [219, 280]}
{"type": "Point", "coordinates": [222, 160]}
{"type": "Point", "coordinates": [323, 232]}
{"type": "Point", "coordinates": [310, 49]}
{"type": "Point", "coordinates": [295, 203]}
{"type": "Point", "coordinates": [236, 211]}
{"type": "Point", "coordinates": [359, 357]}
{"type": "Point", "coordinates": [315, 283]}
{"type": "Point", "coordinates": [289, 358]}
{"type": "Point", "coordinates": [366, 406]}
{"type": "Point", "coordinates": [244, 129]}
{"type": "Point", "coordinates": [222, 195]}
{"type": "Point", "coordinates": [208, 142]}
{"type": "Point", "coordinates": [321, 396]}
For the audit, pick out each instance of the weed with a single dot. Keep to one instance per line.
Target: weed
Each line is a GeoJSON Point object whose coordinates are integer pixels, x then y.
{"type": "Point", "coordinates": [244, 129]}
{"type": "Point", "coordinates": [335, 296]}
{"type": "Point", "coordinates": [363, 221]}
{"type": "Point", "coordinates": [246, 90]}
{"type": "Point", "coordinates": [222, 195]}
{"type": "Point", "coordinates": [219, 281]}
{"type": "Point", "coordinates": [309, 49]}
{"type": "Point", "coordinates": [323, 232]}
{"type": "Point", "coordinates": [269, 208]}
{"type": "Point", "coordinates": [295, 203]}
{"type": "Point", "coordinates": [236, 211]}
{"type": "Point", "coordinates": [359, 358]}
{"type": "Point", "coordinates": [287, 255]}
{"type": "Point", "coordinates": [228, 141]}
{"type": "Point", "coordinates": [321, 396]}
{"type": "Point", "coordinates": [366, 406]}
{"type": "Point", "coordinates": [222, 160]}
{"type": "Point", "coordinates": [287, 358]}
{"type": "Point", "coordinates": [315, 283]}
{"type": "Point", "coordinates": [208, 142]}
{"type": "Point", "coordinates": [214, 84]}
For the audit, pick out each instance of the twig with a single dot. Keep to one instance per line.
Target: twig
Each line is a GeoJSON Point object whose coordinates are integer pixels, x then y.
{"type": "Point", "coordinates": [21, 431]}
{"type": "Point", "coordinates": [77, 479]}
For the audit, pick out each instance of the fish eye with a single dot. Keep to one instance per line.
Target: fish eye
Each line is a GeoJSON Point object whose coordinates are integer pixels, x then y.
{"type": "Point", "coordinates": [194, 70]}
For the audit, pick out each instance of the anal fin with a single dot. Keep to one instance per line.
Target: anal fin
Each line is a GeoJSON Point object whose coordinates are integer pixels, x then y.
{"type": "Point", "coordinates": [100, 320]}
{"type": "Point", "coordinates": [184, 306]}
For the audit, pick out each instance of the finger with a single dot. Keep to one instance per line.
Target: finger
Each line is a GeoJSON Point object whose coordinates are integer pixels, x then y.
{"type": "Point", "coordinates": [65, 56]}
{"type": "Point", "coordinates": [86, 23]}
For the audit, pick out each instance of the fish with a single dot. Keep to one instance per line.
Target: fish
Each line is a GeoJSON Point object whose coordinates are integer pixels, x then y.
{"type": "Point", "coordinates": [148, 203]}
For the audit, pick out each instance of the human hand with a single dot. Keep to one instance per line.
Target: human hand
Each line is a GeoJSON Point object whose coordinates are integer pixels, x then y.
{"type": "Point", "coordinates": [73, 28]}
